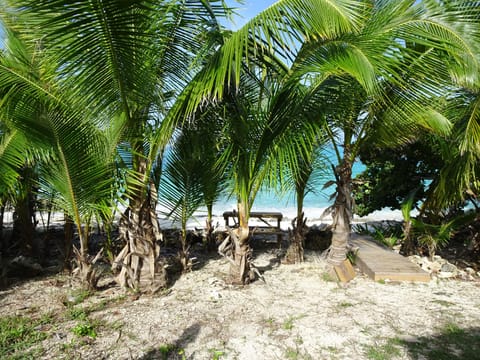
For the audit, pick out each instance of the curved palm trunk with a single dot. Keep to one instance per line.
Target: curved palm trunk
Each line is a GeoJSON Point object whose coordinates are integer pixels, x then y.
{"type": "Point", "coordinates": [342, 213]}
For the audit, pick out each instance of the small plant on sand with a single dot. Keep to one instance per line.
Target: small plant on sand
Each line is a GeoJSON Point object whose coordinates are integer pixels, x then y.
{"type": "Point", "coordinates": [288, 324]}
{"type": "Point", "coordinates": [75, 313]}
{"type": "Point", "coordinates": [387, 351]}
{"type": "Point", "coordinates": [292, 353]}
{"type": "Point", "coordinates": [85, 328]}
{"type": "Point", "coordinates": [328, 277]}
{"type": "Point", "coordinates": [216, 354]}
{"type": "Point", "coordinates": [171, 351]}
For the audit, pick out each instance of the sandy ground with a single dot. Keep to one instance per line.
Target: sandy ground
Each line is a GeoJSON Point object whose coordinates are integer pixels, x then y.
{"type": "Point", "coordinates": [297, 312]}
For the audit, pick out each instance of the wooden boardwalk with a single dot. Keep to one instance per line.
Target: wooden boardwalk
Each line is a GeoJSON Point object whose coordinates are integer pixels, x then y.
{"type": "Point", "coordinates": [380, 263]}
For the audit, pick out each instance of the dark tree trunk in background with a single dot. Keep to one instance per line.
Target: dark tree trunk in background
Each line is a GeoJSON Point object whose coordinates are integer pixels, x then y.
{"type": "Point", "coordinates": [68, 243]}
{"type": "Point", "coordinates": [2, 214]}
{"type": "Point", "coordinates": [24, 225]}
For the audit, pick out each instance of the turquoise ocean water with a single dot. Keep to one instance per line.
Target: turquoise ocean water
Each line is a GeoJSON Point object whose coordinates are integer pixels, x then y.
{"type": "Point", "coordinates": [314, 204]}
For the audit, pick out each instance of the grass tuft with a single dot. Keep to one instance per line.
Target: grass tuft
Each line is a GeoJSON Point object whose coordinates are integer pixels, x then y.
{"type": "Point", "coordinates": [18, 333]}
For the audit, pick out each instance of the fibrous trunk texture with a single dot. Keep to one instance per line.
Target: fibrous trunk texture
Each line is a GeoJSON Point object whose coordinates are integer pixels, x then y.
{"type": "Point", "coordinates": [294, 252]}
{"type": "Point", "coordinates": [342, 214]}
{"type": "Point", "coordinates": [237, 250]}
{"type": "Point", "coordinates": [209, 238]}
{"type": "Point", "coordinates": [86, 270]}
{"type": "Point", "coordinates": [138, 262]}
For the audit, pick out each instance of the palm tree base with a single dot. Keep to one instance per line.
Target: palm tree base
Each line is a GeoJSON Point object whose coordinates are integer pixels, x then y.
{"type": "Point", "coordinates": [86, 270]}
{"type": "Point", "coordinates": [236, 249]}
{"type": "Point", "coordinates": [138, 262]}
{"type": "Point", "coordinates": [294, 252]}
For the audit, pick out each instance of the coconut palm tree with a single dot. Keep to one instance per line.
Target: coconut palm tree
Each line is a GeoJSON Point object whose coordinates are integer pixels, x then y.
{"type": "Point", "coordinates": [297, 159]}
{"type": "Point", "coordinates": [193, 177]}
{"type": "Point", "coordinates": [362, 59]}
{"type": "Point", "coordinates": [180, 187]}
{"type": "Point", "coordinates": [71, 154]}
{"type": "Point", "coordinates": [126, 61]}
{"type": "Point", "coordinates": [246, 128]}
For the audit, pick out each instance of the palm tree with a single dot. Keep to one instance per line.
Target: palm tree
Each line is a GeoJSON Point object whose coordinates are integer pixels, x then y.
{"type": "Point", "coordinates": [71, 153]}
{"type": "Point", "coordinates": [246, 128]}
{"type": "Point", "coordinates": [125, 62]}
{"type": "Point", "coordinates": [193, 177]}
{"type": "Point", "coordinates": [360, 53]}
{"type": "Point", "coordinates": [180, 187]}
{"type": "Point", "coordinates": [297, 159]}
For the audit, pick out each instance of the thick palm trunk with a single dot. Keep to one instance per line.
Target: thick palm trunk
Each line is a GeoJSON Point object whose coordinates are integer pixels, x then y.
{"type": "Point", "coordinates": [23, 225]}
{"type": "Point", "coordinates": [236, 248]}
{"type": "Point", "coordinates": [240, 269]}
{"type": "Point", "coordinates": [342, 214]}
{"type": "Point", "coordinates": [137, 262]}
{"type": "Point", "coordinates": [295, 250]}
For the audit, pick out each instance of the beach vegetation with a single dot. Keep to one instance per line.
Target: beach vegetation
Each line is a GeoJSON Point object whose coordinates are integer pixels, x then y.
{"type": "Point", "coordinates": [70, 153]}
{"type": "Point", "coordinates": [387, 234]}
{"type": "Point", "coordinates": [112, 108]}
{"type": "Point", "coordinates": [250, 144]}
{"type": "Point", "coordinates": [302, 164]}
{"type": "Point", "coordinates": [389, 350]}
{"type": "Point", "coordinates": [140, 56]}
{"type": "Point", "coordinates": [391, 175]}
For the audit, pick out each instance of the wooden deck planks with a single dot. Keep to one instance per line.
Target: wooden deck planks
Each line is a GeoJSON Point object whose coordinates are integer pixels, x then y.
{"type": "Point", "coordinates": [380, 263]}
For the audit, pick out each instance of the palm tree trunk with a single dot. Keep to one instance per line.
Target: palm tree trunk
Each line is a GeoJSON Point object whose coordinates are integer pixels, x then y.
{"type": "Point", "coordinates": [68, 243]}
{"type": "Point", "coordinates": [209, 240]}
{"type": "Point", "coordinates": [295, 250]}
{"type": "Point", "coordinates": [237, 249]}
{"type": "Point", "coordinates": [294, 254]}
{"type": "Point", "coordinates": [139, 229]}
{"type": "Point", "coordinates": [242, 252]}
{"type": "Point", "coordinates": [342, 213]}
{"type": "Point", "coordinates": [2, 214]}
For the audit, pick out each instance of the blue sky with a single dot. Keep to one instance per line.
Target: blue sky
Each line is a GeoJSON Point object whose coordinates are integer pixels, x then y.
{"type": "Point", "coordinates": [246, 11]}
{"type": "Point", "coordinates": [249, 9]}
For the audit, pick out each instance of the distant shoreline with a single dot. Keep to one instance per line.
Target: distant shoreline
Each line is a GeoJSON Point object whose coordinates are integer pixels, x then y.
{"type": "Point", "coordinates": [313, 215]}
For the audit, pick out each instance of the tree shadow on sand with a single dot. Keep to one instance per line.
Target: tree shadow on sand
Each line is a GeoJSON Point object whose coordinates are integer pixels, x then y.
{"type": "Point", "coordinates": [174, 350]}
{"type": "Point", "coordinates": [452, 343]}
